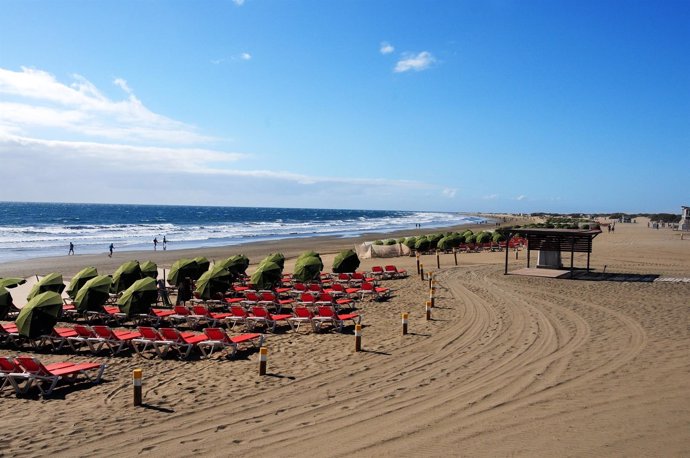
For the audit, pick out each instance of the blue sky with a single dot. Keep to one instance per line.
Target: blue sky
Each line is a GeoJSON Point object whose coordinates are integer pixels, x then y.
{"type": "Point", "coordinates": [417, 105]}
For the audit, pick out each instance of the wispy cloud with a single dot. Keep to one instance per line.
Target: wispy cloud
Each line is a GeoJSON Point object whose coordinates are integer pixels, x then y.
{"type": "Point", "coordinates": [415, 62]}
{"type": "Point", "coordinates": [238, 2]}
{"type": "Point", "coordinates": [521, 197]}
{"type": "Point", "coordinates": [449, 192]}
{"type": "Point", "coordinates": [40, 101]}
{"type": "Point", "coordinates": [490, 197]}
{"type": "Point", "coordinates": [386, 48]}
{"type": "Point", "coordinates": [245, 56]}
{"type": "Point", "coordinates": [217, 61]}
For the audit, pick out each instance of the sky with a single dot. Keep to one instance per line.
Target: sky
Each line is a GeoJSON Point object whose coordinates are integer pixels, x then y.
{"type": "Point", "coordinates": [494, 106]}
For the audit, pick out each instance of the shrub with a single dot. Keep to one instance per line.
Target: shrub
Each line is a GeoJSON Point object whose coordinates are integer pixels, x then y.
{"type": "Point", "coordinates": [483, 237]}
{"type": "Point", "coordinates": [378, 242]}
{"type": "Point", "coordinates": [422, 244]}
{"type": "Point", "coordinates": [391, 242]}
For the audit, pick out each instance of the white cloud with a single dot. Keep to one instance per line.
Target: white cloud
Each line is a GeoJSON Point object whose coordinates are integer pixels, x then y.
{"type": "Point", "coordinates": [238, 2]}
{"type": "Point", "coordinates": [416, 62]}
{"type": "Point", "coordinates": [43, 102]}
{"type": "Point", "coordinates": [521, 197]}
{"type": "Point", "coordinates": [217, 61]}
{"type": "Point", "coordinates": [449, 192]}
{"type": "Point", "coordinates": [386, 48]}
{"type": "Point", "coordinates": [245, 56]}
{"type": "Point", "coordinates": [122, 84]}
{"type": "Point", "coordinates": [490, 197]}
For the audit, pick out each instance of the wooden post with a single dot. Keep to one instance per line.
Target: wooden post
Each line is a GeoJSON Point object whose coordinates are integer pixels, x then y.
{"type": "Point", "coordinates": [507, 251]}
{"type": "Point", "coordinates": [358, 337]}
{"type": "Point", "coordinates": [421, 271]}
{"type": "Point", "coordinates": [431, 296]}
{"type": "Point", "coordinates": [417, 263]}
{"type": "Point", "coordinates": [427, 307]}
{"type": "Point", "coordinates": [404, 323]}
{"type": "Point", "coordinates": [438, 259]}
{"type": "Point", "coordinates": [263, 360]}
{"type": "Point", "coordinates": [136, 381]}
{"type": "Point", "coordinates": [431, 276]}
{"type": "Point", "coordinates": [455, 255]}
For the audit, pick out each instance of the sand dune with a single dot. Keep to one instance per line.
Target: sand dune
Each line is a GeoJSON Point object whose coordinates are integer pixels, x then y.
{"type": "Point", "coordinates": [509, 365]}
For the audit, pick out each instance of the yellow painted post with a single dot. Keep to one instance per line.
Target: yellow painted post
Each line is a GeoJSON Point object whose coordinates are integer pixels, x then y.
{"type": "Point", "coordinates": [431, 278]}
{"type": "Point", "coordinates": [136, 381]}
{"type": "Point", "coordinates": [428, 310]}
{"type": "Point", "coordinates": [404, 323]}
{"type": "Point", "coordinates": [358, 337]}
{"type": "Point", "coordinates": [263, 360]}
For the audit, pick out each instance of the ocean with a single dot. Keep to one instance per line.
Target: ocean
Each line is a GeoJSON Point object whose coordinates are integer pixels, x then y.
{"type": "Point", "coordinates": [32, 230]}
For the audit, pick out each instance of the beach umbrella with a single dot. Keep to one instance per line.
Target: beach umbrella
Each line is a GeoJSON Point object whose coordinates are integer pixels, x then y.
{"type": "Point", "coordinates": [93, 294]}
{"type": "Point", "coordinates": [149, 269]}
{"type": "Point", "coordinates": [11, 282]}
{"type": "Point", "coordinates": [39, 315]}
{"type": "Point", "coordinates": [181, 269]}
{"type": "Point", "coordinates": [307, 269]}
{"type": "Point", "coordinates": [137, 299]}
{"type": "Point", "coordinates": [125, 276]}
{"type": "Point", "coordinates": [277, 258]}
{"type": "Point", "coordinates": [51, 282]}
{"type": "Point", "coordinates": [345, 262]}
{"type": "Point", "coordinates": [267, 275]}
{"type": "Point", "coordinates": [84, 275]}
{"type": "Point", "coordinates": [202, 265]}
{"type": "Point", "coordinates": [237, 265]}
{"type": "Point", "coordinates": [214, 281]}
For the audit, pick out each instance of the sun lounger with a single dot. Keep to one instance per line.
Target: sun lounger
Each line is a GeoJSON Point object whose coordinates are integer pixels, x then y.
{"type": "Point", "coordinates": [114, 340]}
{"type": "Point", "coordinates": [326, 314]}
{"type": "Point", "coordinates": [377, 293]}
{"type": "Point", "coordinates": [262, 317]}
{"type": "Point", "coordinates": [14, 376]}
{"type": "Point", "coordinates": [392, 271]}
{"type": "Point", "coordinates": [9, 334]}
{"type": "Point", "coordinates": [182, 343]}
{"type": "Point", "coordinates": [301, 315]}
{"type": "Point", "coordinates": [238, 316]}
{"type": "Point", "coordinates": [217, 338]}
{"type": "Point", "coordinates": [47, 377]}
{"type": "Point", "coordinates": [211, 318]}
{"type": "Point", "coordinates": [150, 339]}
{"type": "Point", "coordinates": [58, 338]}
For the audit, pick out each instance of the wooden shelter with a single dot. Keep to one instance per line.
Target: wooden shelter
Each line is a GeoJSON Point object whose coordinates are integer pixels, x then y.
{"type": "Point", "coordinates": [556, 240]}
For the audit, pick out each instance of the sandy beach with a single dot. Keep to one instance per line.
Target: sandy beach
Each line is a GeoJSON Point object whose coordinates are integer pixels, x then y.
{"type": "Point", "coordinates": [508, 366]}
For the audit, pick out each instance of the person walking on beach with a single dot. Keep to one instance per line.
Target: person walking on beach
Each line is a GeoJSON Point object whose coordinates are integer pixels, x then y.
{"type": "Point", "coordinates": [165, 242]}
{"type": "Point", "coordinates": [110, 255]}
{"type": "Point", "coordinates": [71, 249]}
{"type": "Point", "coordinates": [155, 243]}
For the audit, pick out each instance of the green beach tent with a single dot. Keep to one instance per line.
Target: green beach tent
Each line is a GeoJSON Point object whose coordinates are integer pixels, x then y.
{"type": "Point", "coordinates": [84, 275]}
{"type": "Point", "coordinates": [346, 261]}
{"type": "Point", "coordinates": [213, 282]}
{"type": "Point", "coordinates": [149, 269]}
{"type": "Point", "coordinates": [126, 275]}
{"type": "Point", "coordinates": [5, 302]}
{"type": "Point", "coordinates": [93, 294]}
{"type": "Point", "coordinates": [237, 265]}
{"type": "Point", "coordinates": [181, 269]}
{"type": "Point", "coordinates": [39, 315]}
{"type": "Point", "coordinates": [308, 268]}
{"type": "Point", "coordinates": [11, 282]}
{"type": "Point", "coordinates": [202, 265]}
{"type": "Point", "coordinates": [51, 282]}
{"type": "Point", "coordinates": [137, 299]}
{"type": "Point", "coordinates": [277, 258]}
{"type": "Point", "coordinates": [267, 275]}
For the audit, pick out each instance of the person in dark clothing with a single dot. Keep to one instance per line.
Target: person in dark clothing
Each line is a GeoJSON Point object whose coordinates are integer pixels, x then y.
{"type": "Point", "coordinates": [184, 292]}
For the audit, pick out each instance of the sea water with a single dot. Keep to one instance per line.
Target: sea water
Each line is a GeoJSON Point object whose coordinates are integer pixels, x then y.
{"type": "Point", "coordinates": [30, 230]}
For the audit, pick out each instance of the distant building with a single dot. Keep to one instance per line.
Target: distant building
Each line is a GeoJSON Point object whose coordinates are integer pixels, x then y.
{"type": "Point", "coordinates": [684, 224]}
{"type": "Point", "coordinates": [625, 219]}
